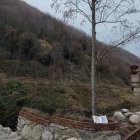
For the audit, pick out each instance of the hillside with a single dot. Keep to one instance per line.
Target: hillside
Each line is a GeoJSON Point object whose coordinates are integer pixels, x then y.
{"type": "Point", "coordinates": [28, 34]}
{"type": "Point", "coordinates": [49, 65]}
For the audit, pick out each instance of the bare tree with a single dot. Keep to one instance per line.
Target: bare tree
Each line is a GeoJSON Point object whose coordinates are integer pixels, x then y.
{"type": "Point", "coordinates": [117, 13]}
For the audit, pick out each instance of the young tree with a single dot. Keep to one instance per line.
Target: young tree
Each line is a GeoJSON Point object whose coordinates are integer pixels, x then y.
{"type": "Point", "coordinates": [117, 13]}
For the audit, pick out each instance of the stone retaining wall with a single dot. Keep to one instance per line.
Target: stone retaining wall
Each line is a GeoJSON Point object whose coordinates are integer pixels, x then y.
{"type": "Point", "coordinates": [56, 128]}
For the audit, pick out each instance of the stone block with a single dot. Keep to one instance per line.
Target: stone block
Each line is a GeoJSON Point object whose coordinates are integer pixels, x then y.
{"type": "Point", "coordinates": [73, 138]}
{"type": "Point", "coordinates": [37, 132]}
{"type": "Point", "coordinates": [119, 116]}
{"type": "Point", "coordinates": [26, 132]}
{"type": "Point", "coordinates": [134, 119]}
{"type": "Point", "coordinates": [6, 129]}
{"type": "Point", "coordinates": [124, 110]}
{"type": "Point", "coordinates": [14, 135]}
{"type": "Point", "coordinates": [128, 114]}
{"type": "Point", "coordinates": [47, 135]}
{"type": "Point", "coordinates": [115, 137]}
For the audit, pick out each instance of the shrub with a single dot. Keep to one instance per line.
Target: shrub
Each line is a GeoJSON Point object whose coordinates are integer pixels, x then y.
{"type": "Point", "coordinates": [13, 95]}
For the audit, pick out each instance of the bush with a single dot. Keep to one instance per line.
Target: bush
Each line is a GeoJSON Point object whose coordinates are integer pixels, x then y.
{"type": "Point", "coordinates": [48, 99]}
{"type": "Point", "coordinates": [13, 95]}
{"type": "Point", "coordinates": [13, 87]}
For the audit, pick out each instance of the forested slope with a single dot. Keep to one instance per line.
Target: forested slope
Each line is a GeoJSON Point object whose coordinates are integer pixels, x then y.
{"type": "Point", "coordinates": [52, 62]}
{"type": "Point", "coordinates": [30, 36]}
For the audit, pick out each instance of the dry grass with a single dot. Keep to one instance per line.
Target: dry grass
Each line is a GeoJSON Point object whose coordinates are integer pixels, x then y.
{"type": "Point", "coordinates": [35, 112]}
{"type": "Point", "coordinates": [76, 98]}
{"type": "Point", "coordinates": [3, 78]}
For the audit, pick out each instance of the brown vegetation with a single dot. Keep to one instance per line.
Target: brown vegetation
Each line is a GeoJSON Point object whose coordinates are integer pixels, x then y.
{"type": "Point", "coordinates": [53, 61]}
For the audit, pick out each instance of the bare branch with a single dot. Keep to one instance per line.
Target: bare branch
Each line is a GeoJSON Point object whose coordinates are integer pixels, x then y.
{"type": "Point", "coordinates": [116, 46]}
{"type": "Point", "coordinates": [116, 7]}
{"type": "Point", "coordinates": [78, 10]}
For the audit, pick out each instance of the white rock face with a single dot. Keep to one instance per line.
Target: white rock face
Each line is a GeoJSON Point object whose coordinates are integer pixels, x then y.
{"type": "Point", "coordinates": [13, 135]}
{"type": "Point", "coordinates": [7, 129]}
{"type": "Point", "coordinates": [1, 127]}
{"type": "Point", "coordinates": [7, 134]}
{"type": "Point", "coordinates": [124, 110]}
{"type": "Point", "coordinates": [47, 135]}
{"type": "Point", "coordinates": [72, 138]}
{"type": "Point", "coordinates": [26, 132]}
{"type": "Point", "coordinates": [115, 137]}
{"type": "Point", "coordinates": [134, 119]}
{"type": "Point", "coordinates": [19, 138]}
{"type": "Point", "coordinates": [119, 116]}
{"type": "Point", "coordinates": [36, 132]}
{"type": "Point", "coordinates": [4, 132]}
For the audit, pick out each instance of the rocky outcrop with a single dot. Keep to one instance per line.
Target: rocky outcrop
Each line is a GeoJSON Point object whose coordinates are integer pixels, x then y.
{"type": "Point", "coordinates": [119, 116]}
{"type": "Point", "coordinates": [124, 110]}
{"type": "Point", "coordinates": [126, 115]}
{"type": "Point", "coordinates": [135, 119]}
{"type": "Point", "coordinates": [7, 134]}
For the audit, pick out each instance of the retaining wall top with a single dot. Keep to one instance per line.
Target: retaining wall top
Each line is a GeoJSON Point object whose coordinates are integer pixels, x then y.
{"type": "Point", "coordinates": [69, 122]}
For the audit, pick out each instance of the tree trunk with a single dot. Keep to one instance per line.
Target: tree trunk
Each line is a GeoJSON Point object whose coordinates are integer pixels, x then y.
{"type": "Point", "coordinates": [93, 94]}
